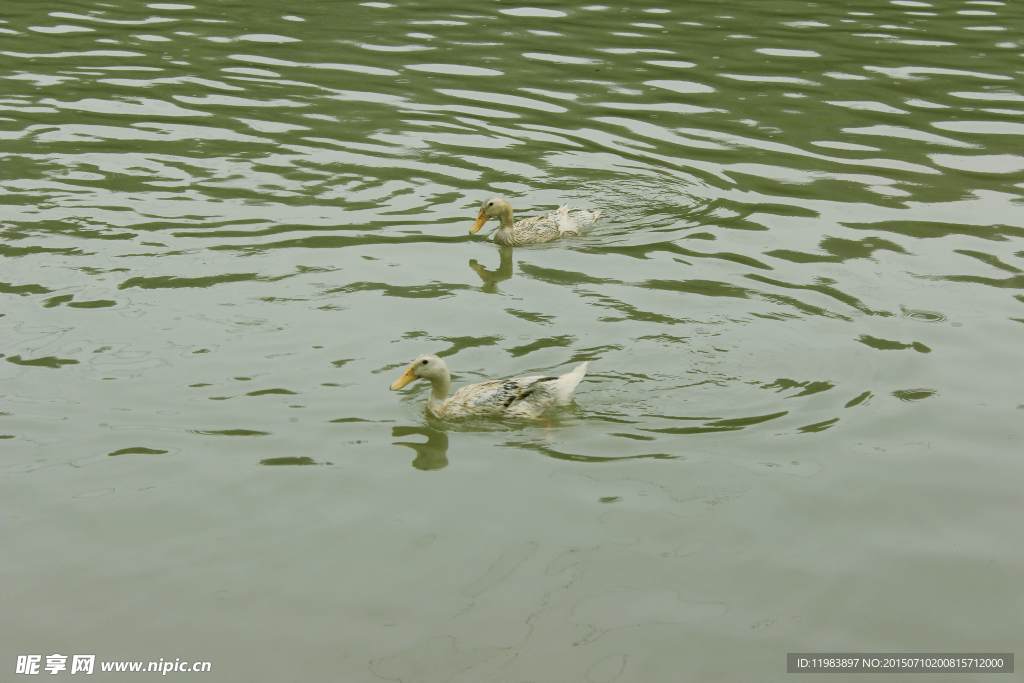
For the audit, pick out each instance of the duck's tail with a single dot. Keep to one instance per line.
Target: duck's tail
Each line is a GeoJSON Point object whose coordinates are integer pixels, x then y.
{"type": "Point", "coordinates": [574, 220]}
{"type": "Point", "coordinates": [562, 219]}
{"type": "Point", "coordinates": [566, 384]}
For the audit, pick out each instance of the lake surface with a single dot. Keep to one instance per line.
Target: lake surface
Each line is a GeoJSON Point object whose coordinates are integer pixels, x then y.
{"type": "Point", "coordinates": [229, 226]}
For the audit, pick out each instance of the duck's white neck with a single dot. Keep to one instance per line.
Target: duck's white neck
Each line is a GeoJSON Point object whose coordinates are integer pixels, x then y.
{"type": "Point", "coordinates": [439, 387]}
{"type": "Point", "coordinates": [505, 219]}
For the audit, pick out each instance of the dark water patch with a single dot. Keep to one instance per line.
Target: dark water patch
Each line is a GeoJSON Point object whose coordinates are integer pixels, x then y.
{"type": "Point", "coordinates": [740, 422]}
{"type": "Point", "coordinates": [264, 392]}
{"type": "Point", "coordinates": [23, 290]}
{"type": "Point", "coordinates": [435, 290]}
{"type": "Point", "coordinates": [839, 250]}
{"type": "Point", "coordinates": [809, 189]}
{"type": "Point", "coordinates": [735, 258]}
{"type": "Point", "coordinates": [342, 362]}
{"type": "Point", "coordinates": [635, 437]}
{"type": "Point", "coordinates": [990, 259]}
{"type": "Point", "coordinates": [99, 271]}
{"type": "Point", "coordinates": [576, 457]}
{"type": "Point", "coordinates": [614, 418]}
{"type": "Point", "coordinates": [332, 241]}
{"type": "Point", "coordinates": [809, 388]}
{"type": "Point", "coordinates": [303, 270]}
{"type": "Point", "coordinates": [1015, 282]}
{"type": "Point", "coordinates": [155, 254]}
{"type": "Point", "coordinates": [800, 306]}
{"type": "Point", "coordinates": [295, 460]}
{"type": "Point", "coordinates": [14, 252]}
{"type": "Point", "coordinates": [462, 343]}
{"type": "Point", "coordinates": [538, 318]}
{"type": "Point", "coordinates": [138, 450]}
{"type": "Point", "coordinates": [822, 286]}
{"type": "Point", "coordinates": [692, 430]}
{"type": "Point", "coordinates": [348, 419]}
{"type": "Point", "coordinates": [738, 223]}
{"type": "Point", "coordinates": [932, 229]}
{"type": "Point", "coordinates": [173, 282]}
{"type": "Point", "coordinates": [230, 432]}
{"type": "Point", "coordinates": [44, 362]}
{"type": "Point", "coordinates": [618, 375]}
{"type": "Point", "coordinates": [744, 210]}
{"type": "Point", "coordinates": [631, 312]}
{"type": "Point", "coordinates": [779, 315]}
{"type": "Point", "coordinates": [561, 277]}
{"type": "Point", "coordinates": [912, 395]}
{"type": "Point", "coordinates": [701, 287]}
{"type": "Point", "coordinates": [11, 234]}
{"type": "Point", "coordinates": [863, 398]}
{"type": "Point", "coordinates": [103, 234]}
{"type": "Point", "coordinates": [99, 303]}
{"type": "Point", "coordinates": [545, 343]}
{"type": "Point", "coordinates": [57, 300]}
{"type": "Point", "coordinates": [643, 251]}
{"type": "Point", "coordinates": [890, 345]}
{"type": "Point", "coordinates": [665, 339]}
{"type": "Point", "coordinates": [593, 353]}
{"type": "Point", "coordinates": [818, 426]}
{"type": "Point", "coordinates": [728, 425]}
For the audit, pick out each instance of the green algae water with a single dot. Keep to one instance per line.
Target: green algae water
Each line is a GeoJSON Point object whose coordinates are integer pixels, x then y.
{"type": "Point", "coordinates": [228, 226]}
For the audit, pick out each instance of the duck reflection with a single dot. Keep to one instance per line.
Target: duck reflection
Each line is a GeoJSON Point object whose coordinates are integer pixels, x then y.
{"type": "Point", "coordinates": [491, 278]}
{"type": "Point", "coordinates": [432, 455]}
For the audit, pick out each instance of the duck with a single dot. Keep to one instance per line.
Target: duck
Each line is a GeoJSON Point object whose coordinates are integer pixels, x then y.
{"type": "Point", "coordinates": [550, 226]}
{"type": "Point", "coordinates": [522, 397]}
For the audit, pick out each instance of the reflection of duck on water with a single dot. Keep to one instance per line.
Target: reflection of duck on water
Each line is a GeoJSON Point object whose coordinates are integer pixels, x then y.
{"type": "Point", "coordinates": [432, 455]}
{"type": "Point", "coordinates": [550, 226]}
{"type": "Point", "coordinates": [524, 397]}
{"type": "Point", "coordinates": [491, 278]}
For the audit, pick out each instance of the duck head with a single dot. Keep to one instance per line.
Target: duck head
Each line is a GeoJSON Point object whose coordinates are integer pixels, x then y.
{"type": "Point", "coordinates": [495, 206]}
{"type": "Point", "coordinates": [427, 366]}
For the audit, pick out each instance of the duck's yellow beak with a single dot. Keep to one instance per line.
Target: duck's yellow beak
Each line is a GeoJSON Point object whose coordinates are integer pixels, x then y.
{"type": "Point", "coordinates": [480, 220]}
{"type": "Point", "coordinates": [407, 378]}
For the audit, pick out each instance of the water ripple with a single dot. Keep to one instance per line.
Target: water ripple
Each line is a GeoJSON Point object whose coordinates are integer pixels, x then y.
{"type": "Point", "coordinates": [773, 187]}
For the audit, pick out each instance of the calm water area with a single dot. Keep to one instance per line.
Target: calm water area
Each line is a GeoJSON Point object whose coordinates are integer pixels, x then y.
{"type": "Point", "coordinates": [228, 226]}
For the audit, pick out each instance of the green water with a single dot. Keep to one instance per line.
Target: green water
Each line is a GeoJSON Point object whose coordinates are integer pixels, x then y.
{"type": "Point", "coordinates": [228, 227]}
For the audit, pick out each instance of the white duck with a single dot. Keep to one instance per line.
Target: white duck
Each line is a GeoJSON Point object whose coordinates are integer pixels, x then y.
{"type": "Point", "coordinates": [550, 226]}
{"type": "Point", "coordinates": [525, 397]}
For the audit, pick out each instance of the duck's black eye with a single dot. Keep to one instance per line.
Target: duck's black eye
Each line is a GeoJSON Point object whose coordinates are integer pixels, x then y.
{"type": "Point", "coordinates": [490, 203]}
{"type": "Point", "coordinates": [424, 362]}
